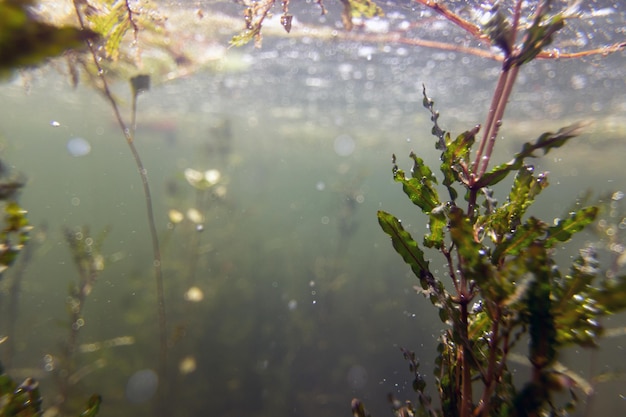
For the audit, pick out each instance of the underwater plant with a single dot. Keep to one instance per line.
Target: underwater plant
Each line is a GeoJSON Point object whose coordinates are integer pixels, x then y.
{"type": "Point", "coordinates": [504, 286]}
{"type": "Point", "coordinates": [125, 20]}
{"type": "Point", "coordinates": [24, 399]}
{"type": "Point", "coordinates": [27, 42]}
{"type": "Point", "coordinates": [113, 21]}
{"type": "Point", "coordinates": [89, 263]}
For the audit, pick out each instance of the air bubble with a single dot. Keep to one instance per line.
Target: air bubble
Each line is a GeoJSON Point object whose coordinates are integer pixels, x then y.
{"type": "Point", "coordinates": [344, 145]}
{"type": "Point", "coordinates": [78, 147]}
{"type": "Point", "coordinates": [142, 386]}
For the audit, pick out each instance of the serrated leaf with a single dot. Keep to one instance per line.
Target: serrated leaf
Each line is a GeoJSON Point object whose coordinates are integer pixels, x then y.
{"type": "Point", "coordinates": [406, 247]}
{"type": "Point", "coordinates": [442, 136]}
{"type": "Point", "coordinates": [14, 235]}
{"type": "Point", "coordinates": [111, 22]}
{"type": "Point", "coordinates": [523, 236]}
{"type": "Point", "coordinates": [436, 225]}
{"type": "Point", "coordinates": [542, 330]}
{"type": "Point", "coordinates": [504, 221]}
{"type": "Point", "coordinates": [244, 37]}
{"type": "Point", "coordinates": [524, 190]}
{"type": "Point", "coordinates": [539, 35]}
{"type": "Point", "coordinates": [611, 296]}
{"type": "Point", "coordinates": [476, 262]}
{"type": "Point", "coordinates": [546, 142]}
{"type": "Point", "coordinates": [455, 156]}
{"type": "Point", "coordinates": [498, 28]}
{"type": "Point", "coordinates": [564, 229]}
{"type": "Point", "coordinates": [420, 187]}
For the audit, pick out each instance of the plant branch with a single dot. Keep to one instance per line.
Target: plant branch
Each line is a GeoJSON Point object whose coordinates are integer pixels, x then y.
{"type": "Point", "coordinates": [490, 376]}
{"type": "Point", "coordinates": [128, 135]}
{"type": "Point", "coordinates": [454, 18]}
{"type": "Point", "coordinates": [496, 121]}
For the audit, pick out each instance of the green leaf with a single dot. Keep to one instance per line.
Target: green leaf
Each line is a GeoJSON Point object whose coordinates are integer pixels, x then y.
{"type": "Point", "coordinates": [358, 8]}
{"type": "Point", "coordinates": [111, 22]}
{"type": "Point", "coordinates": [441, 134]}
{"type": "Point", "coordinates": [523, 192]}
{"type": "Point", "coordinates": [420, 187]}
{"type": "Point", "coordinates": [539, 35]}
{"type": "Point", "coordinates": [498, 29]}
{"type": "Point", "coordinates": [542, 330]}
{"type": "Point", "coordinates": [365, 8]}
{"type": "Point", "coordinates": [22, 400]}
{"type": "Point", "coordinates": [93, 406]}
{"type": "Point", "coordinates": [612, 295]}
{"type": "Point", "coordinates": [475, 260]}
{"type": "Point", "coordinates": [244, 37]}
{"type": "Point", "coordinates": [564, 229]}
{"type": "Point", "coordinates": [546, 142]}
{"type": "Point", "coordinates": [575, 310]}
{"type": "Point", "coordinates": [455, 159]}
{"type": "Point", "coordinates": [404, 244]}
{"type": "Point", "coordinates": [503, 222]}
{"type": "Point", "coordinates": [437, 225]}
{"type": "Point", "coordinates": [14, 235]}
{"type": "Point", "coordinates": [524, 235]}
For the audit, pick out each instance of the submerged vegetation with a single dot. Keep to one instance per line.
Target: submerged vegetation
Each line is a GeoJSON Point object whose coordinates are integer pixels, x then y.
{"type": "Point", "coordinates": [507, 287]}
{"type": "Point", "coordinates": [502, 288]}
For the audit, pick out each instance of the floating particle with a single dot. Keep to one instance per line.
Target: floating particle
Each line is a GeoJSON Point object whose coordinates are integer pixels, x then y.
{"type": "Point", "coordinates": [202, 180]}
{"type": "Point", "coordinates": [195, 216]}
{"type": "Point", "coordinates": [193, 177]}
{"type": "Point", "coordinates": [175, 216]}
{"type": "Point", "coordinates": [187, 365]}
{"type": "Point", "coordinates": [54, 123]}
{"type": "Point", "coordinates": [141, 386]}
{"type": "Point", "coordinates": [78, 147]}
{"type": "Point", "coordinates": [212, 176]}
{"type": "Point", "coordinates": [344, 145]}
{"type": "Point", "coordinates": [220, 191]}
{"type": "Point", "coordinates": [357, 377]}
{"type": "Point", "coordinates": [194, 294]}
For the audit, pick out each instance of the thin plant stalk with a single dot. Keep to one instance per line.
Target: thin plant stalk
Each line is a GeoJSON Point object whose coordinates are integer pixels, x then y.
{"type": "Point", "coordinates": [158, 273]}
{"type": "Point", "coordinates": [86, 260]}
{"type": "Point", "coordinates": [506, 80]}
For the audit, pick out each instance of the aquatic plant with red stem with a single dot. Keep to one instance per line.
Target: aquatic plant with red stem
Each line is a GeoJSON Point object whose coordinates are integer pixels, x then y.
{"type": "Point", "coordinates": [506, 284]}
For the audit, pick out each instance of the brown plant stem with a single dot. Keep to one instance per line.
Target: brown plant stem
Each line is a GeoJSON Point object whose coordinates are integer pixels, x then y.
{"type": "Point", "coordinates": [464, 297]}
{"type": "Point", "coordinates": [454, 18]}
{"type": "Point", "coordinates": [506, 80]}
{"type": "Point", "coordinates": [158, 273]}
{"type": "Point", "coordinates": [466, 378]}
{"type": "Point", "coordinates": [491, 376]}
{"type": "Point", "coordinates": [491, 116]}
{"type": "Point", "coordinates": [496, 121]}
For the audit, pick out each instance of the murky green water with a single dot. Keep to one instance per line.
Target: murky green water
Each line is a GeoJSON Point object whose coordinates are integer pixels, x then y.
{"type": "Point", "coordinates": [298, 302]}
